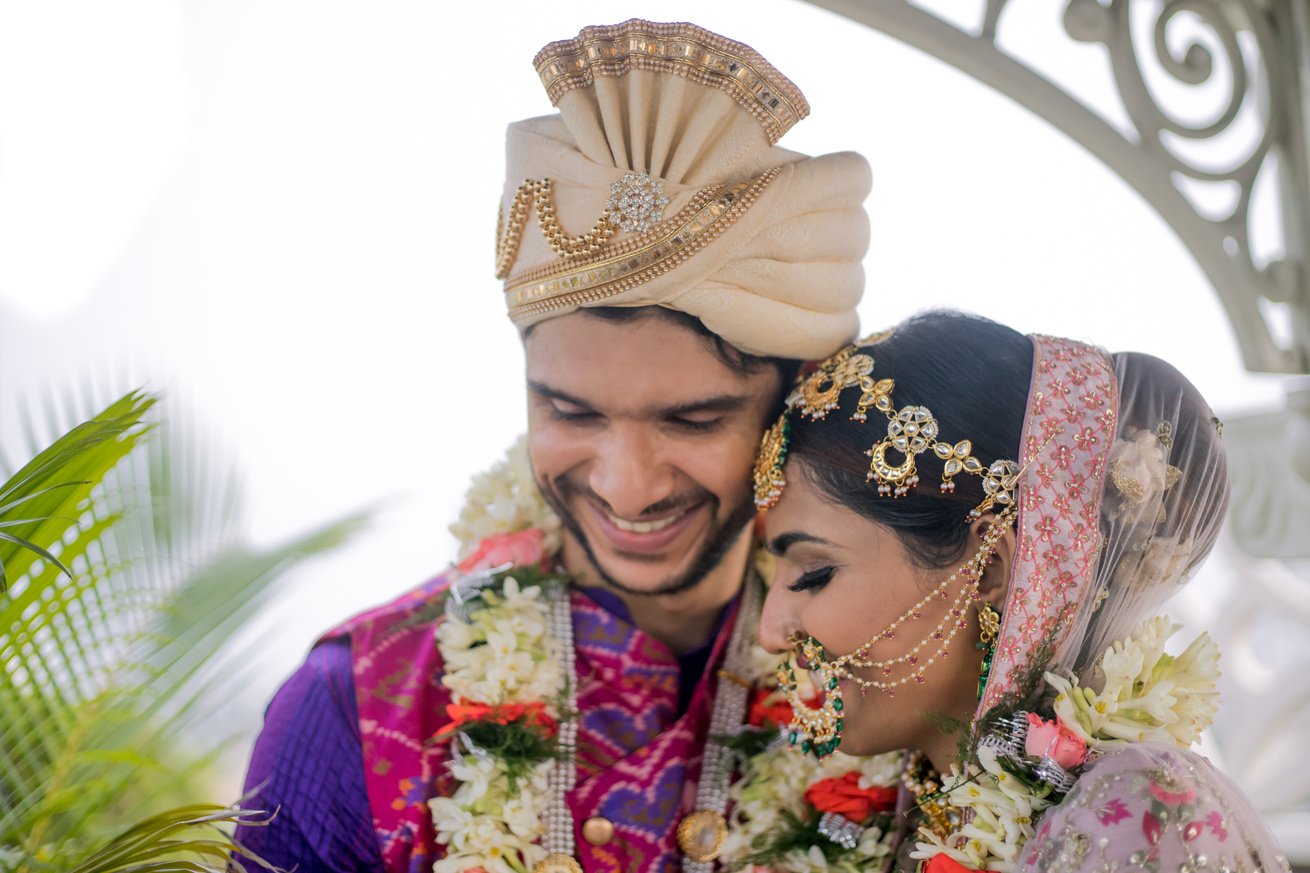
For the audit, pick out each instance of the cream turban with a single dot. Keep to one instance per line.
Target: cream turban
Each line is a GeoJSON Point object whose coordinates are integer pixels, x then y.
{"type": "Point", "coordinates": [659, 184]}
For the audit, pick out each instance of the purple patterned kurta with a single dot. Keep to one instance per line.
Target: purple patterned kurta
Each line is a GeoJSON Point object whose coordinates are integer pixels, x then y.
{"type": "Point", "coordinates": [638, 750]}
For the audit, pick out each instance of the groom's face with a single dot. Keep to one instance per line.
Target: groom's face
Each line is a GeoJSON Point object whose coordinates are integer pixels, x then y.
{"type": "Point", "coordinates": [643, 440]}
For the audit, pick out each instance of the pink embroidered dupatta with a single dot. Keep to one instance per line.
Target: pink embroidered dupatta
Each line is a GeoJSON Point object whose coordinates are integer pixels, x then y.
{"type": "Point", "coordinates": [1125, 489]}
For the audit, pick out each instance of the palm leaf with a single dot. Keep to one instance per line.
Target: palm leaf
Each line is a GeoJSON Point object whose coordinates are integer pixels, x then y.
{"type": "Point", "coordinates": [54, 486]}
{"type": "Point", "coordinates": [180, 839]}
{"type": "Point", "coordinates": [105, 666]}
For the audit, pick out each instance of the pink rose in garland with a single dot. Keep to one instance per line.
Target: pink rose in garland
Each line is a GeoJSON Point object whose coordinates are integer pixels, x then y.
{"type": "Point", "coordinates": [521, 549]}
{"type": "Point", "coordinates": [1052, 739]}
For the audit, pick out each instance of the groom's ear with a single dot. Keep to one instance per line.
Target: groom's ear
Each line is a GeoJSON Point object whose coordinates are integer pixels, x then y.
{"type": "Point", "coordinates": [994, 585]}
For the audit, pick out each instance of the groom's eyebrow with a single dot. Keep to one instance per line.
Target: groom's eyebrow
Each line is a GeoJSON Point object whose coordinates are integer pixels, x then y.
{"type": "Point", "coordinates": [721, 403]}
{"type": "Point", "coordinates": [541, 389]}
{"type": "Point", "coordinates": [718, 403]}
{"type": "Point", "coordinates": [784, 541]}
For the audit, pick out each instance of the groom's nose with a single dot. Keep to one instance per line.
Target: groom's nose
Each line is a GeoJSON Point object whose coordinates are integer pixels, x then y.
{"type": "Point", "coordinates": [630, 472]}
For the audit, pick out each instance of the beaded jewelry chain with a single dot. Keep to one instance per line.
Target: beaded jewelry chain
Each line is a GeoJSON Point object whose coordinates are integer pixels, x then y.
{"type": "Point", "coordinates": [636, 204]}
{"type": "Point", "coordinates": [972, 571]}
{"type": "Point", "coordinates": [702, 833]}
{"type": "Point", "coordinates": [539, 193]}
{"type": "Point", "coordinates": [558, 840]}
{"type": "Point", "coordinates": [925, 785]}
{"type": "Point", "coordinates": [819, 730]}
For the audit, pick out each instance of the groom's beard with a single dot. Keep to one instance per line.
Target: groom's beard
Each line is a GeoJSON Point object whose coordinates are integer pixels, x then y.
{"type": "Point", "coordinates": [724, 537]}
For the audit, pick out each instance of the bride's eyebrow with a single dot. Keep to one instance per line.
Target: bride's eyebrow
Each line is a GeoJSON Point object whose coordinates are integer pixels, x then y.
{"type": "Point", "coordinates": [784, 541]}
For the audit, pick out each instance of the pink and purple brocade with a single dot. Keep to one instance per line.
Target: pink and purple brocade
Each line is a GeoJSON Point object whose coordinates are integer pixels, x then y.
{"type": "Point", "coordinates": [644, 716]}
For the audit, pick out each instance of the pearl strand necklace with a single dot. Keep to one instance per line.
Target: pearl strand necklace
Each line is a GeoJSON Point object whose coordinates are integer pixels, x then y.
{"type": "Point", "coordinates": [702, 833]}
{"type": "Point", "coordinates": [559, 840]}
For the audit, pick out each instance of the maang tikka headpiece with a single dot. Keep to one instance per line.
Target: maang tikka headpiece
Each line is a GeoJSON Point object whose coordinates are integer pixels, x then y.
{"type": "Point", "coordinates": [911, 431]}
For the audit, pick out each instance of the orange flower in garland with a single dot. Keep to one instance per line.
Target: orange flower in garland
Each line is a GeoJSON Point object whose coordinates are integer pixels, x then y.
{"type": "Point", "coordinates": [463, 713]}
{"type": "Point", "coordinates": [845, 797]}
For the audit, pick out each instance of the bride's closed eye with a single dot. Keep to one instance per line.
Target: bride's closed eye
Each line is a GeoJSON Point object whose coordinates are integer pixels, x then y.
{"type": "Point", "coordinates": [813, 580]}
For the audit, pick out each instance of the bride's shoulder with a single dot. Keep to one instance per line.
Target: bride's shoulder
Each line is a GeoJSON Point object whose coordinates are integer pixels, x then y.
{"type": "Point", "coordinates": [1143, 805]}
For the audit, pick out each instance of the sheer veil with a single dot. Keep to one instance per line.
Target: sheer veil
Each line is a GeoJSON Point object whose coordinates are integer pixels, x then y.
{"type": "Point", "coordinates": [1123, 493]}
{"type": "Point", "coordinates": [1123, 490]}
{"type": "Point", "coordinates": [1164, 501]}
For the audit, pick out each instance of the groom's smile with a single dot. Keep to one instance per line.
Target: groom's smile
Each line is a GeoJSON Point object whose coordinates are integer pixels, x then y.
{"type": "Point", "coordinates": [643, 440]}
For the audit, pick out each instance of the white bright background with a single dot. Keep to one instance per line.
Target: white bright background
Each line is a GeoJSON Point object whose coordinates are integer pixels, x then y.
{"type": "Point", "coordinates": [281, 214]}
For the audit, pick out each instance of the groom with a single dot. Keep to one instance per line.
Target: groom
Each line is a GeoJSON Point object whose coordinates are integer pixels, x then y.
{"type": "Point", "coordinates": [666, 264]}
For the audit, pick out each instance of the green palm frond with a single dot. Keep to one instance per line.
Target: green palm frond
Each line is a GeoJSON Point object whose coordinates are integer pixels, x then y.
{"type": "Point", "coordinates": [115, 641]}
{"type": "Point", "coordinates": [185, 839]}
{"type": "Point", "coordinates": [41, 499]}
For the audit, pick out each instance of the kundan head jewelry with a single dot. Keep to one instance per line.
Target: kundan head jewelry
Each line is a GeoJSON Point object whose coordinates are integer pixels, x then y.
{"type": "Point", "coordinates": [911, 431]}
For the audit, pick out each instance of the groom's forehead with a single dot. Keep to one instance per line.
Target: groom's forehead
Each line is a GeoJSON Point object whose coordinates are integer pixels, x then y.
{"type": "Point", "coordinates": [628, 350]}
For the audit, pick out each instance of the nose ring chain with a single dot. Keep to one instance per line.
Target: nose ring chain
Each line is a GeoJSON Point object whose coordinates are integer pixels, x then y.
{"type": "Point", "coordinates": [819, 730]}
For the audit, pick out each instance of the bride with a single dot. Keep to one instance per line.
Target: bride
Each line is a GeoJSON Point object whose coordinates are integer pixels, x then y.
{"type": "Point", "coordinates": [974, 531]}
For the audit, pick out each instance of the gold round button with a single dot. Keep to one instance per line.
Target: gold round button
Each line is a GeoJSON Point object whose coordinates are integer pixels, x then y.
{"type": "Point", "coordinates": [598, 830]}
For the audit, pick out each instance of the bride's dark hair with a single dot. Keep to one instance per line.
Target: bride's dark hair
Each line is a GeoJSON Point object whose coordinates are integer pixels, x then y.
{"type": "Point", "coordinates": [973, 375]}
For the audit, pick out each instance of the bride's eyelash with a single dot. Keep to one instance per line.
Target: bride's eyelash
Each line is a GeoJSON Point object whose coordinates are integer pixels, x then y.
{"type": "Point", "coordinates": [813, 580]}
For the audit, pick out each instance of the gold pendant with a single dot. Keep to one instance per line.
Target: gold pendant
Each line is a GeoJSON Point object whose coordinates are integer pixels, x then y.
{"type": "Point", "coordinates": [701, 835]}
{"type": "Point", "coordinates": [557, 863]}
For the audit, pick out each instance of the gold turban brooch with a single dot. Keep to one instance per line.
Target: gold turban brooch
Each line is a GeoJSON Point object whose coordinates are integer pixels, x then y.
{"type": "Point", "coordinates": [659, 184]}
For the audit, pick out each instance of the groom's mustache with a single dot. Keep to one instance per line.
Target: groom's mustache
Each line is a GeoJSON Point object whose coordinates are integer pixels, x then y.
{"type": "Point", "coordinates": [566, 487]}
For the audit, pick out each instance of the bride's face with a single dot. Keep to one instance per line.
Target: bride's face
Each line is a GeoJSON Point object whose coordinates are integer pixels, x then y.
{"type": "Point", "coordinates": [844, 580]}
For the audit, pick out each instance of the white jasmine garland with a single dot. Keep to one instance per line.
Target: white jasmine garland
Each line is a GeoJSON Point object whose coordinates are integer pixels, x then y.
{"type": "Point", "coordinates": [499, 656]}
{"type": "Point", "coordinates": [774, 782]}
{"type": "Point", "coordinates": [777, 780]}
{"type": "Point", "coordinates": [484, 824]}
{"type": "Point", "coordinates": [505, 499]}
{"type": "Point", "coordinates": [999, 812]}
{"type": "Point", "coordinates": [1146, 695]}
{"type": "Point", "coordinates": [487, 824]}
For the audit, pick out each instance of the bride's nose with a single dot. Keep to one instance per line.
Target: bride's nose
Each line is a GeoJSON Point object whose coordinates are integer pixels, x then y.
{"type": "Point", "coordinates": [778, 623]}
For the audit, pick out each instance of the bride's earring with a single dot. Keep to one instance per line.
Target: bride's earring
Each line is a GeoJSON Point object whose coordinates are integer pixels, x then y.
{"type": "Point", "coordinates": [989, 621]}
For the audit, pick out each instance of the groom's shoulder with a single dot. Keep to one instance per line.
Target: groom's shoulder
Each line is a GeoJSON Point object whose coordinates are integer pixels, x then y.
{"type": "Point", "coordinates": [420, 605]}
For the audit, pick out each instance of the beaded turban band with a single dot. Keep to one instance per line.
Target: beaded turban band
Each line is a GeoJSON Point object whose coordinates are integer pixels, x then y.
{"type": "Point", "coordinates": [659, 184]}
